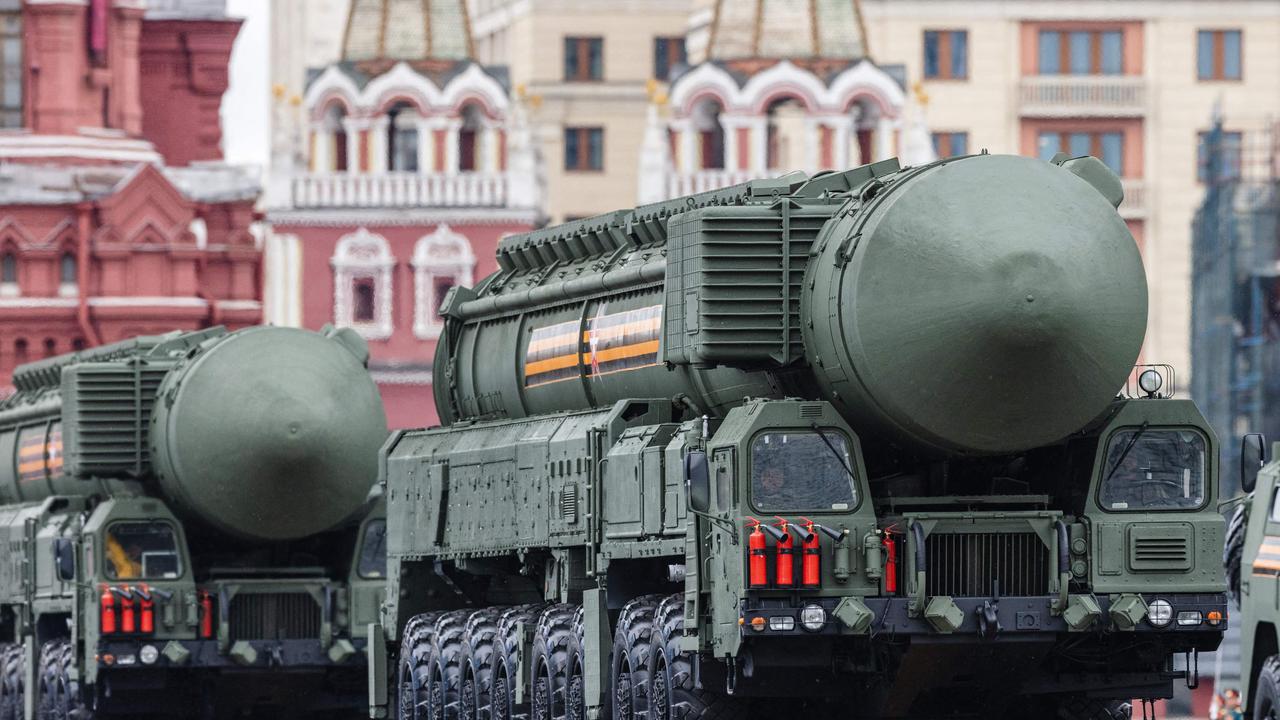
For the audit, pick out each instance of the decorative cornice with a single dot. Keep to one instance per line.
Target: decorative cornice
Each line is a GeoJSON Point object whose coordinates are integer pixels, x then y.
{"type": "Point", "coordinates": [382, 217]}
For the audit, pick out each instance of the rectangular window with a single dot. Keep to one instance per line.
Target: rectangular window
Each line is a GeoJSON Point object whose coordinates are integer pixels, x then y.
{"type": "Point", "coordinates": [362, 291]}
{"type": "Point", "coordinates": [1218, 54]}
{"type": "Point", "coordinates": [11, 70]}
{"type": "Point", "coordinates": [1113, 151]}
{"type": "Point", "coordinates": [946, 54]}
{"type": "Point", "coordinates": [1049, 144]}
{"type": "Point", "coordinates": [950, 144]}
{"type": "Point", "coordinates": [1050, 52]}
{"type": "Point", "coordinates": [668, 53]}
{"type": "Point", "coordinates": [583, 148]}
{"type": "Point", "coordinates": [1081, 52]}
{"type": "Point", "coordinates": [1225, 156]}
{"type": "Point", "coordinates": [583, 59]}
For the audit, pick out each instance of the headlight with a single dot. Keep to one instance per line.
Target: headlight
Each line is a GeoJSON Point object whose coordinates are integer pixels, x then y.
{"type": "Point", "coordinates": [1190, 617]}
{"type": "Point", "coordinates": [813, 617]}
{"type": "Point", "coordinates": [148, 654]}
{"type": "Point", "coordinates": [1150, 381]}
{"type": "Point", "coordinates": [1159, 613]}
{"type": "Point", "coordinates": [782, 623]}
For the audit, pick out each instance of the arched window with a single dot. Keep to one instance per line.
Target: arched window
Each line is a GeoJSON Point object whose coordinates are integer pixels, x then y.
{"type": "Point", "coordinates": [362, 299]}
{"type": "Point", "coordinates": [864, 113]}
{"type": "Point", "coordinates": [706, 119]}
{"type": "Point", "coordinates": [9, 269]}
{"type": "Point", "coordinates": [402, 138]}
{"type": "Point", "coordinates": [786, 134]}
{"type": "Point", "coordinates": [77, 344]}
{"type": "Point", "coordinates": [335, 127]}
{"type": "Point", "coordinates": [441, 260]}
{"type": "Point", "coordinates": [469, 159]}
{"type": "Point", "coordinates": [20, 350]}
{"type": "Point", "coordinates": [67, 275]}
{"type": "Point", "coordinates": [50, 347]}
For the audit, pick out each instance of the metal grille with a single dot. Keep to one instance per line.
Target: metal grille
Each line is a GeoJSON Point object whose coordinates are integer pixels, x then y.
{"type": "Point", "coordinates": [970, 565]}
{"type": "Point", "coordinates": [1160, 553]}
{"type": "Point", "coordinates": [274, 616]}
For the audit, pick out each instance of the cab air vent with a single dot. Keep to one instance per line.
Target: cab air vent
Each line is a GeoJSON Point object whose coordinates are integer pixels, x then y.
{"type": "Point", "coordinates": [1160, 548]}
{"type": "Point", "coordinates": [810, 411]}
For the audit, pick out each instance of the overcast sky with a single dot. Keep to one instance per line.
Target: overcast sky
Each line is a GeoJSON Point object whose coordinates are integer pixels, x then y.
{"type": "Point", "coordinates": [245, 120]}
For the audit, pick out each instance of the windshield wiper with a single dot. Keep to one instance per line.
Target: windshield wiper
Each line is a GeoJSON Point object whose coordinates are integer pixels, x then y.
{"type": "Point", "coordinates": [1125, 453]}
{"type": "Point", "coordinates": [834, 451]}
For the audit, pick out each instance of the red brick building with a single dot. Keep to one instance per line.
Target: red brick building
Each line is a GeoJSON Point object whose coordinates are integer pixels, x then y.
{"type": "Point", "coordinates": [418, 164]}
{"type": "Point", "coordinates": [116, 215]}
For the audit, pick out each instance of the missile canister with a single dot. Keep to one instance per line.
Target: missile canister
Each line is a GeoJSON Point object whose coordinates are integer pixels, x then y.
{"type": "Point", "coordinates": [941, 308]}
{"type": "Point", "coordinates": [263, 433]}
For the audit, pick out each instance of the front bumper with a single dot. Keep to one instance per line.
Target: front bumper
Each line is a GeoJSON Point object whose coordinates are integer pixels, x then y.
{"type": "Point", "coordinates": [1013, 616]}
{"type": "Point", "coordinates": [301, 655]}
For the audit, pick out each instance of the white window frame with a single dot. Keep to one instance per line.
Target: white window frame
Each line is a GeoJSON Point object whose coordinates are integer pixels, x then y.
{"type": "Point", "coordinates": [442, 254]}
{"type": "Point", "coordinates": [363, 255]}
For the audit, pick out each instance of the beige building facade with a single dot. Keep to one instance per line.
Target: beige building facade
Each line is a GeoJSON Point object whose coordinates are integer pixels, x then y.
{"type": "Point", "coordinates": [1136, 80]}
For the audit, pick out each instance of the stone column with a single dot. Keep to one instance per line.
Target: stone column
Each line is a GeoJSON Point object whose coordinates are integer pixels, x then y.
{"type": "Point", "coordinates": [452, 127]}
{"type": "Point", "coordinates": [759, 145]}
{"type": "Point", "coordinates": [886, 129]}
{"type": "Point", "coordinates": [730, 126]}
{"type": "Point", "coordinates": [426, 145]}
{"type": "Point", "coordinates": [322, 148]}
{"type": "Point", "coordinates": [378, 128]}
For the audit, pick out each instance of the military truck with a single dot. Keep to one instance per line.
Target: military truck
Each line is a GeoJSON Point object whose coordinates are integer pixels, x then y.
{"type": "Point", "coordinates": [188, 527]}
{"type": "Point", "coordinates": [1251, 556]}
{"type": "Point", "coordinates": [855, 444]}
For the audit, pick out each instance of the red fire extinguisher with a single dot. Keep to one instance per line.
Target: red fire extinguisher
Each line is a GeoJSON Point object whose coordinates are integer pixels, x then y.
{"type": "Point", "coordinates": [206, 614]}
{"type": "Point", "coordinates": [757, 562]}
{"type": "Point", "coordinates": [108, 603]}
{"type": "Point", "coordinates": [890, 563]}
{"type": "Point", "coordinates": [784, 569]}
{"type": "Point", "coordinates": [128, 621]}
{"type": "Point", "coordinates": [147, 614]}
{"type": "Point", "coordinates": [811, 555]}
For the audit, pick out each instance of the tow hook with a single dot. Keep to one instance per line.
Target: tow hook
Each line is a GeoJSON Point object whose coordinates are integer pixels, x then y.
{"type": "Point", "coordinates": [276, 659]}
{"type": "Point", "coordinates": [989, 614]}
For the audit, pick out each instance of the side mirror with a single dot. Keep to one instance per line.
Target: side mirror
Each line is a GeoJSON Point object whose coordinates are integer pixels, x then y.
{"type": "Point", "coordinates": [697, 480]}
{"type": "Point", "coordinates": [64, 559]}
{"type": "Point", "coordinates": [1253, 453]}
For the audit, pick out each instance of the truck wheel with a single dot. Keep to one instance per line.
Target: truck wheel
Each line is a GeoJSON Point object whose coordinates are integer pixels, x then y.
{"type": "Point", "coordinates": [576, 693]}
{"type": "Point", "coordinates": [50, 674]}
{"type": "Point", "coordinates": [1233, 551]}
{"type": "Point", "coordinates": [411, 685]}
{"type": "Point", "coordinates": [549, 675]}
{"type": "Point", "coordinates": [629, 666]}
{"type": "Point", "coordinates": [68, 702]}
{"type": "Point", "coordinates": [672, 695]}
{"type": "Point", "coordinates": [477, 662]}
{"type": "Point", "coordinates": [506, 663]}
{"type": "Point", "coordinates": [1266, 698]}
{"type": "Point", "coordinates": [10, 681]}
{"type": "Point", "coordinates": [446, 675]}
{"type": "Point", "coordinates": [1086, 708]}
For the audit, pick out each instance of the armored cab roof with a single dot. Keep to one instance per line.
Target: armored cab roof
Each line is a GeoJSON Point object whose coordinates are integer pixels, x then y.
{"type": "Point", "coordinates": [48, 372]}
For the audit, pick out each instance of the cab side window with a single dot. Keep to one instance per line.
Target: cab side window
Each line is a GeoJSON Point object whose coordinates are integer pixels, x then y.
{"type": "Point", "coordinates": [373, 551]}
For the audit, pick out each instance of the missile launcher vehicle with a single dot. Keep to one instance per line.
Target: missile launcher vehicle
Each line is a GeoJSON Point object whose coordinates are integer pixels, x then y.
{"type": "Point", "coordinates": [858, 444]}
{"type": "Point", "coordinates": [188, 527]}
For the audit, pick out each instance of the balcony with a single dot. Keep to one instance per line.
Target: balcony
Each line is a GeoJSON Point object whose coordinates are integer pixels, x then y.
{"type": "Point", "coordinates": [1134, 206]}
{"type": "Point", "coordinates": [688, 183]}
{"type": "Point", "coordinates": [1056, 96]}
{"type": "Point", "coordinates": [400, 190]}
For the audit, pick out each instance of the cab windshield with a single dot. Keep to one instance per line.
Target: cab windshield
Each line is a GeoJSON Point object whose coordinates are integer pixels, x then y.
{"type": "Point", "coordinates": [803, 470]}
{"type": "Point", "coordinates": [1154, 469]}
{"type": "Point", "coordinates": [142, 551]}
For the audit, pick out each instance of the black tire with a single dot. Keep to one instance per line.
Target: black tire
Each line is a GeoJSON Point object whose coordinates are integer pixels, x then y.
{"type": "Point", "coordinates": [1233, 550]}
{"type": "Point", "coordinates": [1266, 690]}
{"type": "Point", "coordinates": [412, 670]}
{"type": "Point", "coordinates": [51, 654]}
{"type": "Point", "coordinates": [506, 662]}
{"type": "Point", "coordinates": [629, 665]}
{"type": "Point", "coordinates": [576, 693]}
{"type": "Point", "coordinates": [446, 667]}
{"type": "Point", "coordinates": [672, 694]}
{"type": "Point", "coordinates": [477, 662]}
{"type": "Point", "coordinates": [10, 682]}
{"type": "Point", "coordinates": [1078, 707]}
{"type": "Point", "coordinates": [549, 676]}
{"type": "Point", "coordinates": [68, 701]}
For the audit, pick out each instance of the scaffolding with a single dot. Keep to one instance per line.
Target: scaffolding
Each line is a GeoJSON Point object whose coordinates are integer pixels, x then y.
{"type": "Point", "coordinates": [1235, 290]}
